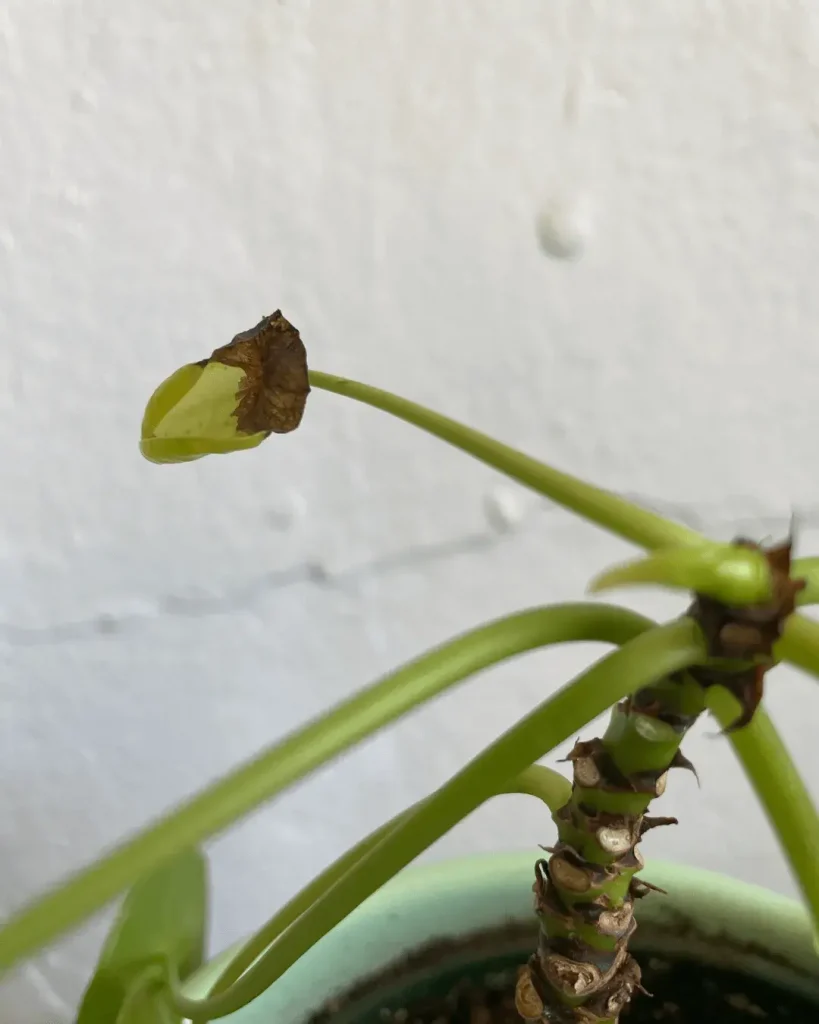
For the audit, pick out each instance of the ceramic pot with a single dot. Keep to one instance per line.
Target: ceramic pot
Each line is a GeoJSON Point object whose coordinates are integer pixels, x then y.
{"type": "Point", "coordinates": [707, 917]}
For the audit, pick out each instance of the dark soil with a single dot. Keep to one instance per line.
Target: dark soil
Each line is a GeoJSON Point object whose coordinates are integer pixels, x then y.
{"type": "Point", "coordinates": [448, 984]}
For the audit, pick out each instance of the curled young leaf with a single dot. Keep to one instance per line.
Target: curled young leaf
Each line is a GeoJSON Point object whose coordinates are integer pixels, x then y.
{"type": "Point", "coordinates": [254, 386]}
{"type": "Point", "coordinates": [144, 1003]}
{"type": "Point", "coordinates": [734, 574]}
{"type": "Point", "coordinates": [162, 920]}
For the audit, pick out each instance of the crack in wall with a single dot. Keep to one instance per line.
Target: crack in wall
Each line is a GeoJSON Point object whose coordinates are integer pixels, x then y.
{"type": "Point", "coordinates": [314, 573]}
{"type": "Point", "coordinates": [249, 593]}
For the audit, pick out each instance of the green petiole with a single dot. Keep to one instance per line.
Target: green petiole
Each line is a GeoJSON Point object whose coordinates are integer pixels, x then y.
{"type": "Point", "coordinates": [800, 645]}
{"type": "Point", "coordinates": [653, 654]}
{"type": "Point", "coordinates": [298, 754]}
{"type": "Point", "coordinates": [780, 790]}
{"type": "Point", "coordinates": [536, 780]}
{"type": "Point", "coordinates": [618, 515]}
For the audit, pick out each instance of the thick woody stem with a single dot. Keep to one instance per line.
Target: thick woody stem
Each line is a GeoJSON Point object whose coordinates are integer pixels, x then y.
{"type": "Point", "coordinates": [582, 972]}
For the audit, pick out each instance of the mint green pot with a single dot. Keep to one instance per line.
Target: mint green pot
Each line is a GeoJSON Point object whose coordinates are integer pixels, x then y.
{"type": "Point", "coordinates": [714, 919]}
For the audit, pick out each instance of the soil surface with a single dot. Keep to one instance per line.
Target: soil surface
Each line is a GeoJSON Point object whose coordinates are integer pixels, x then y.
{"type": "Point", "coordinates": [475, 985]}
{"type": "Point", "coordinates": [682, 993]}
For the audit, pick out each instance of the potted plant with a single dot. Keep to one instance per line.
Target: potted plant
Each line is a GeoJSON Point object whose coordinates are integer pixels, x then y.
{"type": "Point", "coordinates": [459, 943]}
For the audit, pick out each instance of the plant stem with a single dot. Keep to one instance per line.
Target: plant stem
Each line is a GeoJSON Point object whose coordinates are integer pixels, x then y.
{"type": "Point", "coordinates": [613, 513]}
{"type": "Point", "coordinates": [543, 783]}
{"type": "Point", "coordinates": [146, 985]}
{"type": "Point", "coordinates": [537, 781]}
{"type": "Point", "coordinates": [298, 754]}
{"type": "Point", "coordinates": [800, 644]}
{"type": "Point", "coordinates": [780, 790]}
{"type": "Point", "coordinates": [651, 655]}
{"type": "Point", "coordinates": [582, 972]}
{"type": "Point", "coordinates": [807, 569]}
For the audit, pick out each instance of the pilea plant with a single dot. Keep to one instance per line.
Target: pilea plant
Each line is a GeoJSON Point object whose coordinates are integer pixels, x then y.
{"type": "Point", "coordinates": [658, 681]}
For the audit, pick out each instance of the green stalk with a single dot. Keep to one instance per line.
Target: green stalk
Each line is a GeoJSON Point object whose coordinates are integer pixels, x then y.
{"type": "Point", "coordinates": [807, 569]}
{"type": "Point", "coordinates": [146, 985]}
{"type": "Point", "coordinates": [585, 892]}
{"type": "Point", "coordinates": [542, 783]}
{"type": "Point", "coordinates": [537, 781]}
{"type": "Point", "coordinates": [779, 789]}
{"type": "Point", "coordinates": [734, 575]}
{"type": "Point", "coordinates": [800, 644]}
{"type": "Point", "coordinates": [298, 754]}
{"type": "Point", "coordinates": [621, 517]}
{"type": "Point", "coordinates": [651, 655]}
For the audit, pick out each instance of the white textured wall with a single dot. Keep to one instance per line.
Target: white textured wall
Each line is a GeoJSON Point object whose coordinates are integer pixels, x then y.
{"type": "Point", "coordinates": [170, 170]}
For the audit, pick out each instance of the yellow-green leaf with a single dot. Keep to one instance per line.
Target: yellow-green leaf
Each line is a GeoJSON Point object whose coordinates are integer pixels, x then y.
{"type": "Point", "coordinates": [147, 1006]}
{"type": "Point", "coordinates": [162, 921]}
{"type": "Point", "coordinates": [255, 385]}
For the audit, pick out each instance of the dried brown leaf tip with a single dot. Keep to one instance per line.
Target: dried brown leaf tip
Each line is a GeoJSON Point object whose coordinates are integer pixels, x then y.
{"type": "Point", "coordinates": [273, 393]}
{"type": "Point", "coordinates": [749, 689]}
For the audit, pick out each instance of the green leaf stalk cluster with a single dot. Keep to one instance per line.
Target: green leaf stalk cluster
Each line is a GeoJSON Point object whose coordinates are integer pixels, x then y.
{"type": "Point", "coordinates": [657, 680]}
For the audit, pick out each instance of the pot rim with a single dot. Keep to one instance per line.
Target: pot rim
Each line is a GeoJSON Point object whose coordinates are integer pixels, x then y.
{"type": "Point", "coordinates": [719, 920]}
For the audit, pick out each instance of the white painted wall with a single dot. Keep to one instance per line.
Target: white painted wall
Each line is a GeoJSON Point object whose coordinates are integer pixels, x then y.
{"type": "Point", "coordinates": [171, 170]}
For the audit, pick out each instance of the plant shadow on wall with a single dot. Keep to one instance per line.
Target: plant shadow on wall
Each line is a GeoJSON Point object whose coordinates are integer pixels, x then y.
{"type": "Point", "coordinates": [658, 681]}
